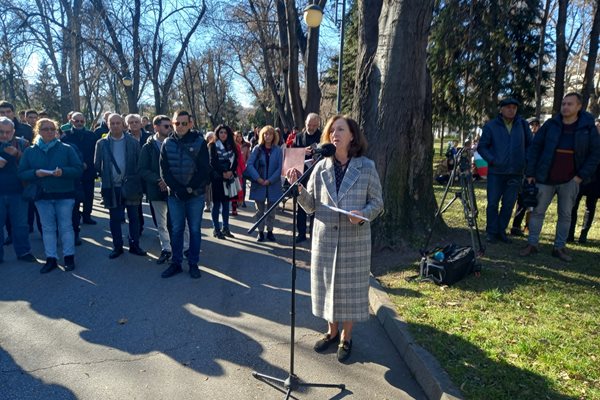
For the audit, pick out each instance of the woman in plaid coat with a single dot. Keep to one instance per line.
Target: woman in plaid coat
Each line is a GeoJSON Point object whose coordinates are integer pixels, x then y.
{"type": "Point", "coordinates": [341, 244]}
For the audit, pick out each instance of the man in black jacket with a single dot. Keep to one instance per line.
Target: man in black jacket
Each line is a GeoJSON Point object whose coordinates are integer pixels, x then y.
{"type": "Point", "coordinates": [85, 141]}
{"type": "Point", "coordinates": [156, 187]}
{"type": "Point", "coordinates": [565, 152]}
{"type": "Point", "coordinates": [185, 169]}
{"type": "Point", "coordinates": [308, 139]}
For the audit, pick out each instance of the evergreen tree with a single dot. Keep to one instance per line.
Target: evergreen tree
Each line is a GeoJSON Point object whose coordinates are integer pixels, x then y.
{"type": "Point", "coordinates": [45, 93]}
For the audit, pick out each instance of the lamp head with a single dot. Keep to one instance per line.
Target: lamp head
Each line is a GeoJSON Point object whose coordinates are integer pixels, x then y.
{"type": "Point", "coordinates": [313, 15]}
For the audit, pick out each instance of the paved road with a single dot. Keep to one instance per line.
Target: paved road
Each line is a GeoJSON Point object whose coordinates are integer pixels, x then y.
{"type": "Point", "coordinates": [113, 329]}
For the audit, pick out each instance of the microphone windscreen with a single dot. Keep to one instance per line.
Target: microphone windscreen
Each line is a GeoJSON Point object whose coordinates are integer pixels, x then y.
{"type": "Point", "coordinates": [328, 149]}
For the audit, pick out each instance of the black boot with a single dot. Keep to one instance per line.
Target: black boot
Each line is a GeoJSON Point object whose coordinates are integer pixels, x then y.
{"type": "Point", "coordinates": [583, 236]}
{"type": "Point", "coordinates": [218, 234]}
{"type": "Point", "coordinates": [51, 263]}
{"type": "Point", "coordinates": [69, 263]}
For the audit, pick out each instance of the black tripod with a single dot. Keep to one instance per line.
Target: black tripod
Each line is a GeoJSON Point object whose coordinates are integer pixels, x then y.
{"type": "Point", "coordinates": [466, 194]}
{"type": "Point", "coordinates": [292, 382]}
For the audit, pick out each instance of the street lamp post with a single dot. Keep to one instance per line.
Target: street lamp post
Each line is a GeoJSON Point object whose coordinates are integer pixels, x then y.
{"type": "Point", "coordinates": [313, 15]}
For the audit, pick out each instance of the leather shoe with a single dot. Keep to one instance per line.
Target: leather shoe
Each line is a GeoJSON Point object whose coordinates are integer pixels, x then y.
{"type": "Point", "coordinates": [27, 257]}
{"type": "Point", "coordinates": [173, 269]}
{"type": "Point", "coordinates": [516, 232]}
{"type": "Point", "coordinates": [69, 263]}
{"type": "Point", "coordinates": [528, 250]}
{"type": "Point", "coordinates": [270, 236]}
{"type": "Point", "coordinates": [491, 238]}
{"type": "Point", "coordinates": [51, 263]}
{"type": "Point", "coordinates": [194, 272]}
{"type": "Point", "coordinates": [325, 342]}
{"type": "Point", "coordinates": [503, 238]}
{"type": "Point", "coordinates": [115, 253]}
{"type": "Point", "coordinates": [164, 257]}
{"type": "Point", "coordinates": [300, 238]}
{"type": "Point", "coordinates": [137, 250]}
{"type": "Point", "coordinates": [344, 350]}
{"type": "Point", "coordinates": [260, 237]}
{"type": "Point", "coordinates": [561, 254]}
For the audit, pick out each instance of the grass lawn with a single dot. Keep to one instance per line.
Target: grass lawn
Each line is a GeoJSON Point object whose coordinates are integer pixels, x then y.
{"type": "Point", "coordinates": [528, 328]}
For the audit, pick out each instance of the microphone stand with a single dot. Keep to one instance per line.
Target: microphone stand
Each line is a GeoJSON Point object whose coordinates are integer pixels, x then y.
{"type": "Point", "coordinates": [292, 382]}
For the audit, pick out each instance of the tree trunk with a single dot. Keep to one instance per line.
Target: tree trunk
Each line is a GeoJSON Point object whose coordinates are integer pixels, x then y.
{"type": "Point", "coordinates": [588, 79]}
{"type": "Point", "coordinates": [561, 56]}
{"type": "Point", "coordinates": [311, 69]}
{"type": "Point", "coordinates": [293, 60]}
{"type": "Point", "coordinates": [540, 64]}
{"type": "Point", "coordinates": [392, 63]}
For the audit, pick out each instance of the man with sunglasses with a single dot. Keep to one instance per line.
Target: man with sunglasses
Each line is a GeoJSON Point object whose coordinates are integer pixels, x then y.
{"type": "Point", "coordinates": [185, 169]}
{"type": "Point", "coordinates": [156, 187]}
{"type": "Point", "coordinates": [85, 141]}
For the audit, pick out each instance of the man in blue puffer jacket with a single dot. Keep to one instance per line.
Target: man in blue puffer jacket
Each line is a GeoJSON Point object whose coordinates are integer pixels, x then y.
{"type": "Point", "coordinates": [565, 152]}
{"type": "Point", "coordinates": [503, 145]}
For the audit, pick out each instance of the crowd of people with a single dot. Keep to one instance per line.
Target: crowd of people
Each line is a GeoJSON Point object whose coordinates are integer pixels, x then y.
{"type": "Point", "coordinates": [49, 172]}
{"type": "Point", "coordinates": [559, 158]}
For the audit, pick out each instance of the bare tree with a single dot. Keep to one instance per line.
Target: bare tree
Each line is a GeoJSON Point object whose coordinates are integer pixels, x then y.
{"type": "Point", "coordinates": [588, 79]}
{"type": "Point", "coordinates": [562, 54]}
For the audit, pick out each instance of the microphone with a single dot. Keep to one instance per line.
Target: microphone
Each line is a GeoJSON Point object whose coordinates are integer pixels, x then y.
{"type": "Point", "coordinates": [326, 150]}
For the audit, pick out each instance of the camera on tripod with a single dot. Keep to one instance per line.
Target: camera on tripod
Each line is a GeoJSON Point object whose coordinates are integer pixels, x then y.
{"type": "Point", "coordinates": [529, 194]}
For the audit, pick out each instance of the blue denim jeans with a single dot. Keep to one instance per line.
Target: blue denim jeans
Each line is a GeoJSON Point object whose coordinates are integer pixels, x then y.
{"type": "Point", "coordinates": [56, 214]}
{"type": "Point", "coordinates": [181, 211]}
{"type": "Point", "coordinates": [116, 214]}
{"type": "Point", "coordinates": [567, 194]}
{"type": "Point", "coordinates": [503, 188]}
{"type": "Point", "coordinates": [216, 210]}
{"type": "Point", "coordinates": [15, 208]}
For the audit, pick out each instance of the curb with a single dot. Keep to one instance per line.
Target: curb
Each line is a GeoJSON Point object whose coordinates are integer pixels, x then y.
{"type": "Point", "coordinates": [432, 378]}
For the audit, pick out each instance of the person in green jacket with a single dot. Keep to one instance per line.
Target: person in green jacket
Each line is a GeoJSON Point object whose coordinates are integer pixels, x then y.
{"type": "Point", "coordinates": [53, 166]}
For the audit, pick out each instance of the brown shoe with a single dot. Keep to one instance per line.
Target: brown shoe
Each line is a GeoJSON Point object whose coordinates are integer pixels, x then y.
{"type": "Point", "coordinates": [529, 250]}
{"type": "Point", "coordinates": [561, 254]}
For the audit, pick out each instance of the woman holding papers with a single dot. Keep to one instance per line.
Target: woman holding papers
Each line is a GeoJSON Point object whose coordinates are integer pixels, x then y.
{"type": "Point", "coordinates": [341, 243]}
{"type": "Point", "coordinates": [264, 169]}
{"type": "Point", "coordinates": [54, 167]}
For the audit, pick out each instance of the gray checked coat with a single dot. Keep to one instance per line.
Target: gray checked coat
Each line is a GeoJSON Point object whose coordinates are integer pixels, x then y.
{"type": "Point", "coordinates": [341, 251]}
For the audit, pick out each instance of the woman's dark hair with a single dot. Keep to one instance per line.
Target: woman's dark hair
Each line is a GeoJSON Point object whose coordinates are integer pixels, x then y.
{"type": "Point", "coordinates": [358, 145]}
{"type": "Point", "coordinates": [229, 142]}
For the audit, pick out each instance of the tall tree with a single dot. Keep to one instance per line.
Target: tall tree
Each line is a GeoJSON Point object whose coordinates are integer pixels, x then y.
{"type": "Point", "coordinates": [588, 79]}
{"type": "Point", "coordinates": [562, 54]}
{"type": "Point", "coordinates": [392, 64]}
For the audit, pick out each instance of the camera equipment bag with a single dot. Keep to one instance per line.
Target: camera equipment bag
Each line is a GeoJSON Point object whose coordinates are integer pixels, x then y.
{"type": "Point", "coordinates": [458, 262]}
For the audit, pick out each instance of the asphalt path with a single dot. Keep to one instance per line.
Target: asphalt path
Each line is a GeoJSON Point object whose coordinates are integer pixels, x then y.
{"type": "Point", "coordinates": [114, 329]}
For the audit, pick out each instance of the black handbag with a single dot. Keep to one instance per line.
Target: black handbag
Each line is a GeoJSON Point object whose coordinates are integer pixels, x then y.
{"type": "Point", "coordinates": [32, 192]}
{"type": "Point", "coordinates": [131, 188]}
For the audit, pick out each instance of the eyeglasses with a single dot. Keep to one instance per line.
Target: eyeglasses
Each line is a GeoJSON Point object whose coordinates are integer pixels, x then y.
{"type": "Point", "coordinates": [183, 123]}
{"type": "Point", "coordinates": [47, 129]}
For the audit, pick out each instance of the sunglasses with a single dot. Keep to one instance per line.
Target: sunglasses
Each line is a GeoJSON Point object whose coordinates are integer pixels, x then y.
{"type": "Point", "coordinates": [169, 126]}
{"type": "Point", "coordinates": [177, 123]}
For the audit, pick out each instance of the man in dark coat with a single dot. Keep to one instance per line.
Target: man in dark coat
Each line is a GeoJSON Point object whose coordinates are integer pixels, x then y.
{"type": "Point", "coordinates": [308, 139]}
{"type": "Point", "coordinates": [21, 130]}
{"type": "Point", "coordinates": [116, 160]}
{"type": "Point", "coordinates": [185, 169]}
{"type": "Point", "coordinates": [565, 152]}
{"type": "Point", "coordinates": [503, 145]}
{"type": "Point", "coordinates": [85, 141]}
{"type": "Point", "coordinates": [156, 187]}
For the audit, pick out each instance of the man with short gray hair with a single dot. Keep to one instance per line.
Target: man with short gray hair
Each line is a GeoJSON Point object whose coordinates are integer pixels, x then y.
{"type": "Point", "coordinates": [12, 206]}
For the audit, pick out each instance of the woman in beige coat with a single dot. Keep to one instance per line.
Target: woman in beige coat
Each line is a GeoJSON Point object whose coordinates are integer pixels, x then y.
{"type": "Point", "coordinates": [341, 244]}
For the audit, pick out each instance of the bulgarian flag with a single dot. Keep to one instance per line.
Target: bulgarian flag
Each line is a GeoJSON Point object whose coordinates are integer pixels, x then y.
{"type": "Point", "coordinates": [481, 165]}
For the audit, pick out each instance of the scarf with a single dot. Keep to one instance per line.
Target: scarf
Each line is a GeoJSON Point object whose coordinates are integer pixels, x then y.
{"type": "Point", "coordinates": [45, 147]}
{"type": "Point", "coordinates": [226, 157]}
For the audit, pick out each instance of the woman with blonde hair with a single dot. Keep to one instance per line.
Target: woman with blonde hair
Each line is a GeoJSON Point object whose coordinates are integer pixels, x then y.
{"type": "Point", "coordinates": [341, 244]}
{"type": "Point", "coordinates": [54, 168]}
{"type": "Point", "coordinates": [264, 169]}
